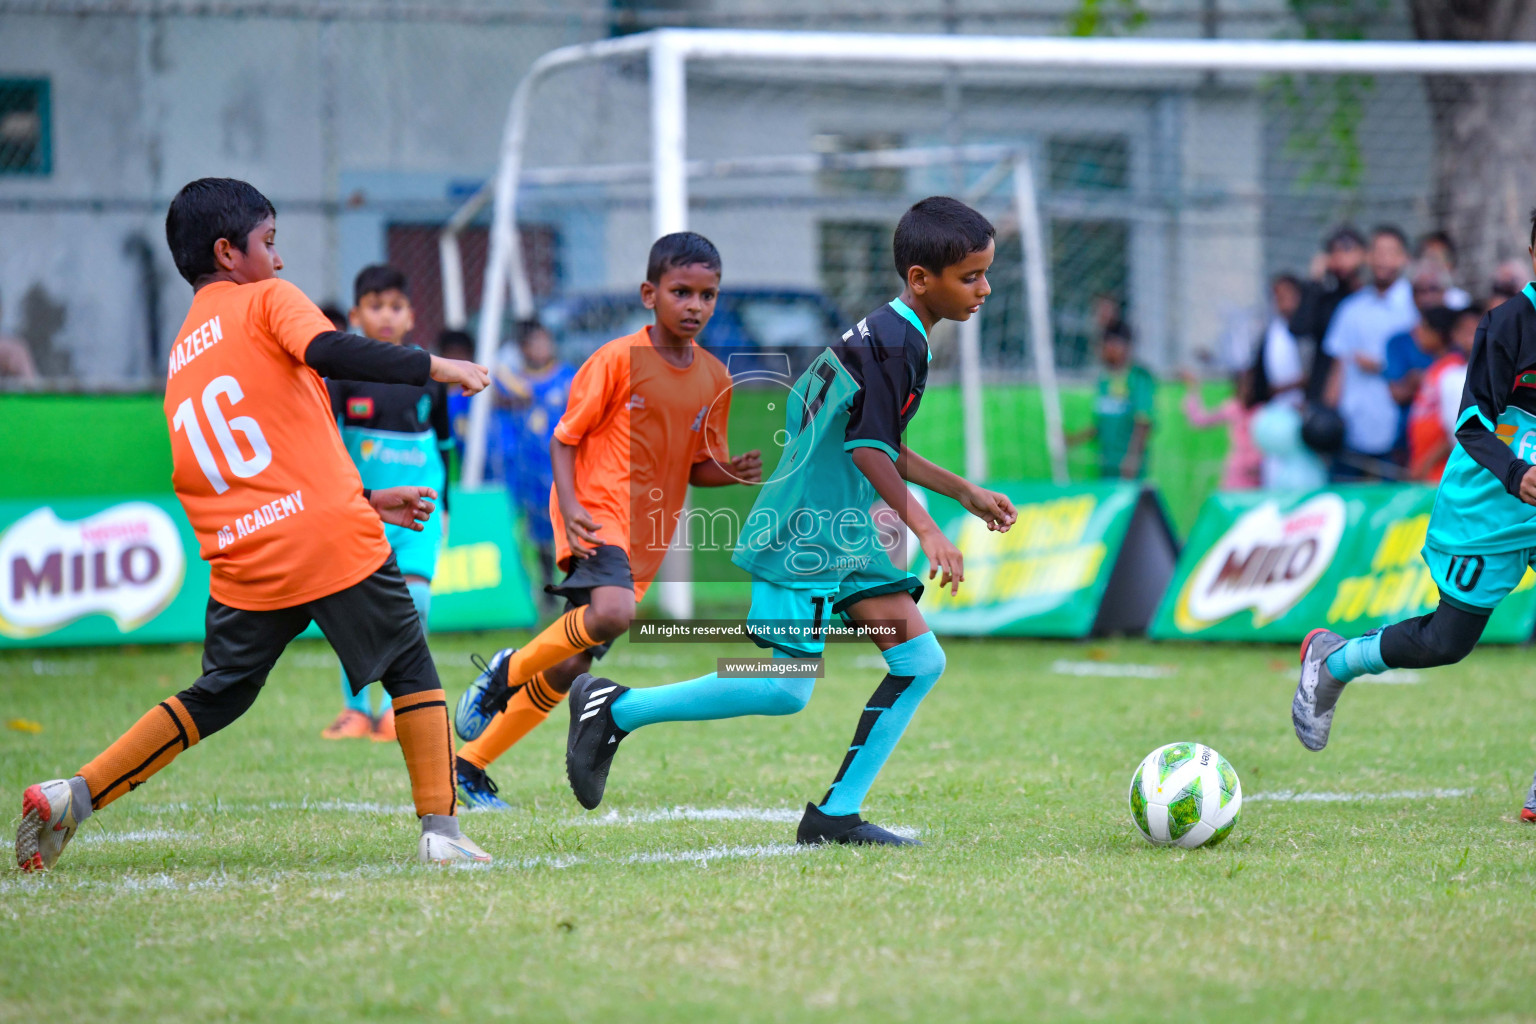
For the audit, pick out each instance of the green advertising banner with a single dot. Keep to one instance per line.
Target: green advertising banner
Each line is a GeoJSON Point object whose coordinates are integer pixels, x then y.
{"type": "Point", "coordinates": [81, 571]}
{"type": "Point", "coordinates": [1081, 559]}
{"type": "Point", "coordinates": [1264, 566]}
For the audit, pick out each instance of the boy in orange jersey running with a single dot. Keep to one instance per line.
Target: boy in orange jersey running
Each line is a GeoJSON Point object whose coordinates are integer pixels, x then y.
{"type": "Point", "coordinates": [647, 417]}
{"type": "Point", "coordinates": [280, 515]}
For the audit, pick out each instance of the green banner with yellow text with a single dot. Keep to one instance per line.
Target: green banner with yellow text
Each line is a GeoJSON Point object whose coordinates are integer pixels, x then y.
{"type": "Point", "coordinates": [1055, 572]}
{"type": "Point", "coordinates": [1263, 566]}
{"type": "Point", "coordinates": [78, 571]}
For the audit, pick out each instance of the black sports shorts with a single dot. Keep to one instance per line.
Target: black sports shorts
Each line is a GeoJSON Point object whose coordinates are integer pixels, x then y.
{"type": "Point", "coordinates": [370, 624]}
{"type": "Point", "coordinates": [607, 566]}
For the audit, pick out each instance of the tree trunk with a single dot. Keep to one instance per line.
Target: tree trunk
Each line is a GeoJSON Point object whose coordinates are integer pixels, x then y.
{"type": "Point", "coordinates": [1485, 137]}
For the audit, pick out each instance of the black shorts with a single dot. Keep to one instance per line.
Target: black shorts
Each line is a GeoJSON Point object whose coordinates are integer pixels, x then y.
{"type": "Point", "coordinates": [372, 625]}
{"type": "Point", "coordinates": [607, 566]}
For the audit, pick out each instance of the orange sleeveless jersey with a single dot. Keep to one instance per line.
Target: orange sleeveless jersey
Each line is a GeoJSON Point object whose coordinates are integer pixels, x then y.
{"type": "Point", "coordinates": [639, 425]}
{"type": "Point", "coordinates": [259, 466]}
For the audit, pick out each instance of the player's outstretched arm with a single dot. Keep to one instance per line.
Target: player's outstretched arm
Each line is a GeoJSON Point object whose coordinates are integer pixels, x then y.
{"type": "Point", "coordinates": [943, 556]}
{"type": "Point", "coordinates": [338, 355]}
{"type": "Point", "coordinates": [746, 468]}
{"type": "Point", "coordinates": [403, 506]}
{"type": "Point", "coordinates": [991, 507]}
{"type": "Point", "coordinates": [471, 377]}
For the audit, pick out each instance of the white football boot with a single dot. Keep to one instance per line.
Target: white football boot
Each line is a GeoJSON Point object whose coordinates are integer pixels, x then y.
{"type": "Point", "coordinates": [50, 813]}
{"type": "Point", "coordinates": [443, 843]}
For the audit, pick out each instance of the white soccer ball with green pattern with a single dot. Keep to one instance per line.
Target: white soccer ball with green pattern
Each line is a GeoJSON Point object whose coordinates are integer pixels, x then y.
{"type": "Point", "coordinates": [1185, 794]}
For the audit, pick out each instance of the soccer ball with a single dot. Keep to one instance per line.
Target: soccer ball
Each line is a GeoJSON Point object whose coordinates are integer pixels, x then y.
{"type": "Point", "coordinates": [1185, 794]}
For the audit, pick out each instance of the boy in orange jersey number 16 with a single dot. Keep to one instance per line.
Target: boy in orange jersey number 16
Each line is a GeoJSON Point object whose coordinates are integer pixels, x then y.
{"type": "Point", "coordinates": [282, 518]}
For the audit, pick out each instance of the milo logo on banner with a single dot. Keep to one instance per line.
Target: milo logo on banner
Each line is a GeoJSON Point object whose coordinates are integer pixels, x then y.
{"type": "Point", "coordinates": [1266, 561]}
{"type": "Point", "coordinates": [126, 562]}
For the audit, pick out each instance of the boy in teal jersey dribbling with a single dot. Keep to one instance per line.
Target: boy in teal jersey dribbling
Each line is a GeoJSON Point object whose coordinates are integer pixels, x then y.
{"type": "Point", "coordinates": [814, 547]}
{"type": "Point", "coordinates": [1482, 530]}
{"type": "Point", "coordinates": [397, 435]}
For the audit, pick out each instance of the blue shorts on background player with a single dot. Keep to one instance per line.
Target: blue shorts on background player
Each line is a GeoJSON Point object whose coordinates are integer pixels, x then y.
{"type": "Point", "coordinates": [532, 399]}
{"type": "Point", "coordinates": [1482, 531]}
{"type": "Point", "coordinates": [397, 435]}
{"type": "Point", "coordinates": [814, 548]}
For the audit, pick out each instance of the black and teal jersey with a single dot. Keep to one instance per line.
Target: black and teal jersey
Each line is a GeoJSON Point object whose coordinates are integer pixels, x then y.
{"type": "Point", "coordinates": [811, 524]}
{"type": "Point", "coordinates": [1478, 509]}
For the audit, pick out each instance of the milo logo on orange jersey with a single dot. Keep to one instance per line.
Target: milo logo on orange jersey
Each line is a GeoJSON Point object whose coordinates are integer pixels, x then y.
{"type": "Point", "coordinates": [126, 562]}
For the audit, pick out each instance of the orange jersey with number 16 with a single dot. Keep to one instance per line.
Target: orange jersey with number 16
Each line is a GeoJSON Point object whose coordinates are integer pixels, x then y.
{"type": "Point", "coordinates": [259, 465]}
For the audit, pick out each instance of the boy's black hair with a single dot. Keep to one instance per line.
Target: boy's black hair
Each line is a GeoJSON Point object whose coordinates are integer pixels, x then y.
{"type": "Point", "coordinates": [528, 328]}
{"type": "Point", "coordinates": [1344, 234]}
{"type": "Point", "coordinates": [379, 277]}
{"type": "Point", "coordinates": [447, 338]}
{"type": "Point", "coordinates": [1287, 278]}
{"type": "Point", "coordinates": [205, 211]}
{"type": "Point", "coordinates": [1393, 230]}
{"type": "Point", "coordinates": [938, 232]}
{"type": "Point", "coordinates": [1441, 320]}
{"type": "Point", "coordinates": [1442, 238]}
{"type": "Point", "coordinates": [681, 249]}
{"type": "Point", "coordinates": [334, 314]}
{"type": "Point", "coordinates": [1119, 329]}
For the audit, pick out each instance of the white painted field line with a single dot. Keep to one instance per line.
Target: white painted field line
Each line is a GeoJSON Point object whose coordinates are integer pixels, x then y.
{"type": "Point", "coordinates": [143, 835]}
{"type": "Point", "coordinates": [163, 882]}
{"type": "Point", "coordinates": [1289, 796]}
{"type": "Point", "coordinates": [1110, 669]}
{"type": "Point", "coordinates": [782, 815]}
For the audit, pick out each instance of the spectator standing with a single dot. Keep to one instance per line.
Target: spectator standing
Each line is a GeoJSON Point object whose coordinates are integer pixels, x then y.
{"type": "Point", "coordinates": [1357, 342]}
{"type": "Point", "coordinates": [1335, 275]}
{"type": "Point", "coordinates": [1429, 439]}
{"type": "Point", "coordinates": [1406, 356]}
{"type": "Point", "coordinates": [1122, 409]}
{"type": "Point", "coordinates": [1437, 248]}
{"type": "Point", "coordinates": [16, 359]}
{"type": "Point", "coordinates": [1240, 471]}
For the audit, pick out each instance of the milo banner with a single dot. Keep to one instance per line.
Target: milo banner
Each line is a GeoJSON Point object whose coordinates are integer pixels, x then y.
{"type": "Point", "coordinates": [1081, 560]}
{"type": "Point", "coordinates": [1272, 567]}
{"type": "Point", "coordinates": [106, 571]}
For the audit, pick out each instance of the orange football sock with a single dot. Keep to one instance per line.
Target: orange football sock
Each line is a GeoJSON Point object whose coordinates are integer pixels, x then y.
{"type": "Point", "coordinates": [527, 708]}
{"type": "Point", "coordinates": [152, 743]}
{"type": "Point", "coordinates": [562, 638]}
{"type": "Point", "coordinates": [421, 724]}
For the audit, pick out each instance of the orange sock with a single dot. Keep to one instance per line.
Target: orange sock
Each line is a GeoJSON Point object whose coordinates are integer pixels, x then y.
{"type": "Point", "coordinates": [562, 638]}
{"type": "Point", "coordinates": [152, 743]}
{"type": "Point", "coordinates": [527, 708]}
{"type": "Point", "coordinates": [421, 724]}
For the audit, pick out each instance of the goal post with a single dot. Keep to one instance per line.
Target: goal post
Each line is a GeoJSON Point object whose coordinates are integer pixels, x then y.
{"type": "Point", "coordinates": [659, 62]}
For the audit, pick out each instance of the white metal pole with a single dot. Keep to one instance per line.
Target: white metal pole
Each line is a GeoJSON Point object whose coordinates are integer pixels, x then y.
{"type": "Point", "coordinates": [669, 213]}
{"type": "Point", "coordinates": [971, 397]}
{"type": "Point", "coordinates": [1037, 286]}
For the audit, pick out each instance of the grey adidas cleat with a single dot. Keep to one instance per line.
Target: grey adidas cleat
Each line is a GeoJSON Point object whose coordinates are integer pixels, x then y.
{"type": "Point", "coordinates": [443, 843]}
{"type": "Point", "coordinates": [1312, 723]}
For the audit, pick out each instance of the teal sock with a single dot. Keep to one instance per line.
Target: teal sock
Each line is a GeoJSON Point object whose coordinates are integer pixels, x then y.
{"type": "Point", "coordinates": [915, 666]}
{"type": "Point", "coordinates": [1358, 657]}
{"type": "Point", "coordinates": [710, 697]}
{"type": "Point", "coordinates": [355, 701]}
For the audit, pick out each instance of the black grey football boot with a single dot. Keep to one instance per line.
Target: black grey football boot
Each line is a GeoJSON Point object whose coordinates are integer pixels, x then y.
{"type": "Point", "coordinates": [1311, 720]}
{"type": "Point", "coordinates": [850, 829]}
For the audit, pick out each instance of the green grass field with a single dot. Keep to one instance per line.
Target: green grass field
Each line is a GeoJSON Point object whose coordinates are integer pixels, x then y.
{"type": "Point", "coordinates": [270, 875]}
